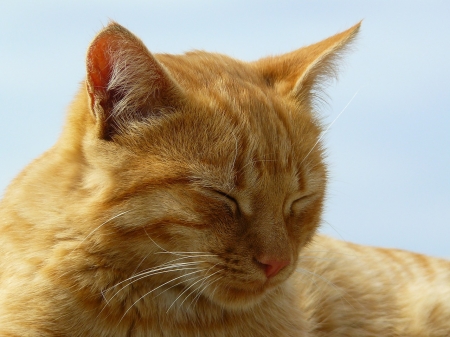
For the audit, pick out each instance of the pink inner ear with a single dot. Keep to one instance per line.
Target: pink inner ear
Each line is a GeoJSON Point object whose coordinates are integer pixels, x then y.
{"type": "Point", "coordinates": [124, 81]}
{"type": "Point", "coordinates": [99, 63]}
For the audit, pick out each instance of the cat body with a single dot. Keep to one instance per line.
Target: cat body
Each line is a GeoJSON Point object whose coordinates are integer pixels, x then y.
{"type": "Point", "coordinates": [183, 198]}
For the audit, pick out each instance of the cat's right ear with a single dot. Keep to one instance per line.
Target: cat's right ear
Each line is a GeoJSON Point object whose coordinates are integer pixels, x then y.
{"type": "Point", "coordinates": [125, 82]}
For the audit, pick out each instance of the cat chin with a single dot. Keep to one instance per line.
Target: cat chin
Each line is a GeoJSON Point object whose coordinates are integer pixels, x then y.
{"type": "Point", "coordinates": [237, 299]}
{"type": "Point", "coordinates": [238, 296]}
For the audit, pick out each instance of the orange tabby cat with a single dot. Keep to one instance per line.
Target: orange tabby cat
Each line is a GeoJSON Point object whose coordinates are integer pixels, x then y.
{"type": "Point", "coordinates": [182, 199]}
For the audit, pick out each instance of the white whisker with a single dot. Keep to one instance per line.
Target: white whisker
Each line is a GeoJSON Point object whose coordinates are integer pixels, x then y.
{"type": "Point", "coordinates": [201, 288]}
{"type": "Point", "coordinates": [200, 254]}
{"type": "Point", "coordinates": [155, 242]}
{"type": "Point", "coordinates": [176, 284]}
{"type": "Point", "coordinates": [141, 276]}
{"type": "Point", "coordinates": [162, 270]}
{"type": "Point", "coordinates": [212, 294]}
{"type": "Point", "coordinates": [148, 293]}
{"type": "Point", "coordinates": [334, 229]}
{"type": "Point", "coordinates": [93, 231]}
{"type": "Point", "coordinates": [142, 261]}
{"type": "Point", "coordinates": [171, 264]}
{"type": "Point", "coordinates": [329, 126]}
{"type": "Point", "coordinates": [165, 251]}
{"type": "Point", "coordinates": [184, 291]}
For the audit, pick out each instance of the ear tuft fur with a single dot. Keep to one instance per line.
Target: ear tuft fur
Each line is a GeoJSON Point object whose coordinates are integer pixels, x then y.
{"type": "Point", "coordinates": [301, 73]}
{"type": "Point", "coordinates": [124, 81]}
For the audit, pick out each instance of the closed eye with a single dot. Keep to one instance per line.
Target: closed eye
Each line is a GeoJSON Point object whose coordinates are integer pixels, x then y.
{"type": "Point", "coordinates": [232, 202]}
{"type": "Point", "coordinates": [302, 198]}
{"type": "Point", "coordinates": [298, 204]}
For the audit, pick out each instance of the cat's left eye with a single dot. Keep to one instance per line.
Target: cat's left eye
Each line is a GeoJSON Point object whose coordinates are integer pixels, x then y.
{"type": "Point", "coordinates": [232, 202]}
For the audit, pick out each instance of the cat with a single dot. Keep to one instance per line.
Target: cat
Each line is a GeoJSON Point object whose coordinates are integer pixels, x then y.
{"type": "Point", "coordinates": [183, 198]}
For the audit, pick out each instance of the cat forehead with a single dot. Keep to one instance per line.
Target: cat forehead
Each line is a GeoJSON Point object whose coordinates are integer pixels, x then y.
{"type": "Point", "coordinates": [201, 70]}
{"type": "Point", "coordinates": [233, 121]}
{"type": "Point", "coordinates": [240, 90]}
{"type": "Point", "coordinates": [204, 64]}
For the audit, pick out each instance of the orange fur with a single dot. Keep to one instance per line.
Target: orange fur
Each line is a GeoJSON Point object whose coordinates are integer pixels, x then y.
{"type": "Point", "coordinates": [183, 198]}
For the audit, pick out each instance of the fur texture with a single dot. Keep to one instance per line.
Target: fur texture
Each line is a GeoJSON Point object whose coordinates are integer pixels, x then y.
{"type": "Point", "coordinates": [183, 198]}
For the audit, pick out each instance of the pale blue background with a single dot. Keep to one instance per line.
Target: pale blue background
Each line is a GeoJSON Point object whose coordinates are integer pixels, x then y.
{"type": "Point", "coordinates": [389, 151]}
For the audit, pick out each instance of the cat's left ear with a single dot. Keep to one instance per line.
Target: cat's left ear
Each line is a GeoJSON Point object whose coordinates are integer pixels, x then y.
{"type": "Point", "coordinates": [301, 72]}
{"type": "Point", "coordinates": [125, 82]}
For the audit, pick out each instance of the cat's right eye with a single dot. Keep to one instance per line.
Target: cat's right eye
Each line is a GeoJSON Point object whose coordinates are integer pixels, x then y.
{"type": "Point", "coordinates": [298, 204]}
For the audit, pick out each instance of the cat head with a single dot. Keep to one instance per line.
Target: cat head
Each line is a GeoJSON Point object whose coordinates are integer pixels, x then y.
{"type": "Point", "coordinates": [206, 167]}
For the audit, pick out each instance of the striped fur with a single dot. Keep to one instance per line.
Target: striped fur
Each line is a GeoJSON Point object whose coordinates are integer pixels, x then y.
{"type": "Point", "coordinates": [183, 199]}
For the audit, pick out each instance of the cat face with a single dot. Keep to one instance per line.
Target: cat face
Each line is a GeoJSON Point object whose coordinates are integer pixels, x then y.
{"type": "Point", "coordinates": [207, 172]}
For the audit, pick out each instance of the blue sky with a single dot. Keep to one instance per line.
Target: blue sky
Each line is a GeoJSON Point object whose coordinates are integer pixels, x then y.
{"type": "Point", "coordinates": [388, 152]}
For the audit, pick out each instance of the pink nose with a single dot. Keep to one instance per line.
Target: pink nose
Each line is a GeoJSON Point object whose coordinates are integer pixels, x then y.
{"type": "Point", "coordinates": [272, 266]}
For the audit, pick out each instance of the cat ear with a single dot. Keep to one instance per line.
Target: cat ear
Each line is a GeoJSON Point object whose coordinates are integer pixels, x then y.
{"type": "Point", "coordinates": [124, 81]}
{"type": "Point", "coordinates": [303, 71]}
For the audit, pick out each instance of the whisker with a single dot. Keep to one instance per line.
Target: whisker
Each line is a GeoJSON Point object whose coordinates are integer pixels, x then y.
{"type": "Point", "coordinates": [165, 251]}
{"type": "Point", "coordinates": [184, 291]}
{"type": "Point", "coordinates": [173, 286]}
{"type": "Point", "coordinates": [201, 288]}
{"type": "Point", "coordinates": [329, 126]}
{"type": "Point", "coordinates": [142, 261]}
{"type": "Point", "coordinates": [92, 232]}
{"type": "Point", "coordinates": [139, 277]}
{"type": "Point", "coordinates": [171, 263]}
{"type": "Point", "coordinates": [107, 301]}
{"type": "Point", "coordinates": [212, 294]}
{"type": "Point", "coordinates": [179, 252]}
{"type": "Point", "coordinates": [201, 284]}
{"type": "Point", "coordinates": [182, 282]}
{"type": "Point", "coordinates": [187, 254]}
{"type": "Point", "coordinates": [334, 229]}
{"type": "Point", "coordinates": [148, 293]}
{"type": "Point", "coordinates": [178, 283]}
{"type": "Point", "coordinates": [169, 266]}
{"type": "Point", "coordinates": [154, 241]}
{"type": "Point", "coordinates": [156, 271]}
